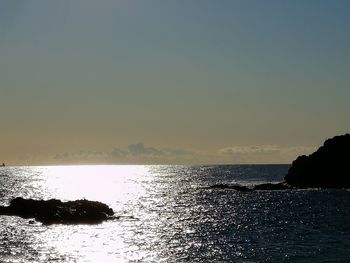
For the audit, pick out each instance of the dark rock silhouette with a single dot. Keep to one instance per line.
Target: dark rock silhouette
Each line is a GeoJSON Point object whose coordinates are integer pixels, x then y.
{"type": "Point", "coordinates": [242, 188]}
{"type": "Point", "coordinates": [54, 211]}
{"type": "Point", "coordinates": [236, 187]}
{"type": "Point", "coordinates": [328, 167]}
{"type": "Point", "coordinates": [271, 186]}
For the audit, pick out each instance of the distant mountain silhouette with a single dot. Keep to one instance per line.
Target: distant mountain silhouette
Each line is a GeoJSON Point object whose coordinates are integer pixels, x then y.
{"type": "Point", "coordinates": [328, 167]}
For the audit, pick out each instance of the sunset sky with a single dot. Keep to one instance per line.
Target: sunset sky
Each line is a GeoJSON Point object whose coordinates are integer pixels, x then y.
{"type": "Point", "coordinates": [171, 82]}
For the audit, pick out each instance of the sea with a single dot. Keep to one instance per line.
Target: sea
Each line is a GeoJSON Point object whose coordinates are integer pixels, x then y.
{"type": "Point", "coordinates": [167, 214]}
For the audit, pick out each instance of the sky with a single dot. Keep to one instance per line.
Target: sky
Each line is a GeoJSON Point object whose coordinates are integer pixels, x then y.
{"type": "Point", "coordinates": [171, 82]}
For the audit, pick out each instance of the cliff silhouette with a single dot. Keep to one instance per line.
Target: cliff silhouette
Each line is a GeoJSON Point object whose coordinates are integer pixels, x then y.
{"type": "Point", "coordinates": [328, 167]}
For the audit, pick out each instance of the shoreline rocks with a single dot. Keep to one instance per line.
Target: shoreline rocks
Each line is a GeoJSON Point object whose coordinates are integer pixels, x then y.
{"type": "Point", "coordinates": [54, 211]}
{"type": "Point", "coordinates": [272, 186]}
{"type": "Point", "coordinates": [236, 187]}
{"type": "Point", "coordinates": [259, 187]}
{"type": "Point", "coordinates": [328, 167]}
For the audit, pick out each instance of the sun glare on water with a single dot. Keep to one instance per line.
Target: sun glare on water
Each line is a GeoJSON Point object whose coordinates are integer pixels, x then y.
{"type": "Point", "coordinates": [112, 184]}
{"type": "Point", "coordinates": [119, 187]}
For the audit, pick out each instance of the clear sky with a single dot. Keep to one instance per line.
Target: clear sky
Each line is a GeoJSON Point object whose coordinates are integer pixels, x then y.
{"type": "Point", "coordinates": [171, 81]}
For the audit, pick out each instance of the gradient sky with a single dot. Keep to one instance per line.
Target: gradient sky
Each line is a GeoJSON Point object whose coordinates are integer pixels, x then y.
{"type": "Point", "coordinates": [171, 81]}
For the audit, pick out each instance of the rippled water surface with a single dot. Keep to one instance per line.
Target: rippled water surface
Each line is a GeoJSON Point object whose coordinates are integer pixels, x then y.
{"type": "Point", "coordinates": [167, 216]}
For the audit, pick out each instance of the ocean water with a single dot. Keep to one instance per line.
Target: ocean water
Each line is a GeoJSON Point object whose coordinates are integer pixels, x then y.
{"type": "Point", "coordinates": [168, 216]}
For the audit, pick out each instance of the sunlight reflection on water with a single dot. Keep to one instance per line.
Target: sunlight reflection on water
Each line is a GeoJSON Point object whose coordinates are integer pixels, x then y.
{"type": "Point", "coordinates": [119, 187]}
{"type": "Point", "coordinates": [111, 184]}
{"type": "Point", "coordinates": [167, 216]}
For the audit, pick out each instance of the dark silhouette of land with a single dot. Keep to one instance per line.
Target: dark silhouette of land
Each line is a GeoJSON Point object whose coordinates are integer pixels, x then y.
{"type": "Point", "coordinates": [328, 167]}
{"type": "Point", "coordinates": [242, 188]}
{"type": "Point", "coordinates": [57, 212]}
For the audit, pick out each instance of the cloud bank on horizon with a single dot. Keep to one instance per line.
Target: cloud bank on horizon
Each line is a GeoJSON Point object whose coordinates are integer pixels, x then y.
{"type": "Point", "coordinates": [140, 154]}
{"type": "Point", "coordinates": [211, 81]}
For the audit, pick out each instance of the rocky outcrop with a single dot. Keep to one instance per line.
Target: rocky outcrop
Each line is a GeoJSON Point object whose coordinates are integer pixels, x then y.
{"type": "Point", "coordinates": [236, 187]}
{"type": "Point", "coordinates": [328, 167]}
{"type": "Point", "coordinates": [242, 188]}
{"type": "Point", "coordinates": [54, 211]}
{"type": "Point", "coordinates": [271, 186]}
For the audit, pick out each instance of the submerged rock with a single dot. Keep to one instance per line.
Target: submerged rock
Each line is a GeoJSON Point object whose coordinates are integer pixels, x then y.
{"type": "Point", "coordinates": [328, 167]}
{"type": "Point", "coordinates": [54, 211]}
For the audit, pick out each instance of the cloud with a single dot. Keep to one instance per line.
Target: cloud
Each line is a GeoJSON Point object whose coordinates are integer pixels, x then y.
{"type": "Point", "coordinates": [116, 152]}
{"type": "Point", "coordinates": [264, 153]}
{"type": "Point", "coordinates": [82, 156]}
{"type": "Point", "coordinates": [135, 154]}
{"type": "Point", "coordinates": [138, 153]}
{"type": "Point", "coordinates": [176, 152]}
{"type": "Point", "coordinates": [265, 149]}
{"type": "Point", "coordinates": [140, 149]}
